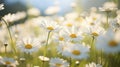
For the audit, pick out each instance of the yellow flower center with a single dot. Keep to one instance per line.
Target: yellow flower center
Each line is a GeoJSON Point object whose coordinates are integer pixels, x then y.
{"type": "Point", "coordinates": [50, 28]}
{"type": "Point", "coordinates": [7, 62]}
{"type": "Point", "coordinates": [61, 38]}
{"type": "Point", "coordinates": [69, 25]}
{"type": "Point", "coordinates": [95, 34]}
{"type": "Point", "coordinates": [94, 18]}
{"type": "Point", "coordinates": [91, 23]}
{"type": "Point", "coordinates": [73, 35]}
{"type": "Point", "coordinates": [113, 43]}
{"type": "Point", "coordinates": [58, 65]}
{"type": "Point", "coordinates": [28, 46]}
{"type": "Point", "coordinates": [76, 52]}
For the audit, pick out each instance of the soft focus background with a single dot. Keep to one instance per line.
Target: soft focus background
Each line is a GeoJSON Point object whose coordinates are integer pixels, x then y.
{"type": "Point", "coordinates": [12, 6]}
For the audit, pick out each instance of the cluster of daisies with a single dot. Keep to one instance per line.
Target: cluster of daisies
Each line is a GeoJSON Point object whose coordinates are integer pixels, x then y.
{"type": "Point", "coordinates": [73, 40]}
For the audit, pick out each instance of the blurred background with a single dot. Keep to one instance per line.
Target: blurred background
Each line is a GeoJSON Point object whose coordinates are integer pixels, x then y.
{"type": "Point", "coordinates": [64, 6]}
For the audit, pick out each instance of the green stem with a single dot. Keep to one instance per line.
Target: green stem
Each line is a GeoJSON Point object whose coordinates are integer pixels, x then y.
{"type": "Point", "coordinates": [10, 35]}
{"type": "Point", "coordinates": [45, 52]}
{"type": "Point", "coordinates": [46, 46]}
{"type": "Point", "coordinates": [70, 62]}
{"type": "Point", "coordinates": [6, 50]}
{"type": "Point", "coordinates": [101, 56]}
{"type": "Point", "coordinates": [107, 25]}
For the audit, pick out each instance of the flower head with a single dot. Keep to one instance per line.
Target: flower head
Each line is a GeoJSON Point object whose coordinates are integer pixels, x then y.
{"type": "Point", "coordinates": [108, 43]}
{"type": "Point", "coordinates": [28, 45]}
{"type": "Point", "coordinates": [1, 6]}
{"type": "Point", "coordinates": [57, 62]}
{"type": "Point", "coordinates": [8, 62]}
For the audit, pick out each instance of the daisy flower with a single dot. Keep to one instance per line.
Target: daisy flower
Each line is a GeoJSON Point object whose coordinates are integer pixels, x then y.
{"type": "Point", "coordinates": [75, 51]}
{"type": "Point", "coordinates": [44, 58]}
{"type": "Point", "coordinates": [95, 31]}
{"type": "Point", "coordinates": [59, 37]}
{"type": "Point", "coordinates": [8, 62]}
{"type": "Point", "coordinates": [108, 43]}
{"type": "Point", "coordinates": [28, 45]}
{"type": "Point", "coordinates": [73, 34]}
{"type": "Point", "coordinates": [52, 10]}
{"type": "Point", "coordinates": [93, 65]}
{"type": "Point", "coordinates": [57, 62]}
{"type": "Point", "coordinates": [33, 11]}
{"type": "Point", "coordinates": [49, 25]}
{"type": "Point", "coordinates": [1, 6]}
{"type": "Point", "coordinates": [108, 6]}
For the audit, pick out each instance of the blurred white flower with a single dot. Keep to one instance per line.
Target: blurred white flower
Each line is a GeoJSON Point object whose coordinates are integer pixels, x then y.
{"type": "Point", "coordinates": [28, 45]}
{"type": "Point", "coordinates": [9, 62]}
{"type": "Point", "coordinates": [108, 43]}
{"type": "Point", "coordinates": [95, 31]}
{"type": "Point", "coordinates": [93, 65]}
{"type": "Point", "coordinates": [108, 6]}
{"type": "Point", "coordinates": [33, 12]}
{"type": "Point", "coordinates": [52, 10]}
{"type": "Point", "coordinates": [1, 6]}
{"type": "Point", "coordinates": [10, 18]}
{"type": "Point", "coordinates": [42, 58]}
{"type": "Point", "coordinates": [57, 62]}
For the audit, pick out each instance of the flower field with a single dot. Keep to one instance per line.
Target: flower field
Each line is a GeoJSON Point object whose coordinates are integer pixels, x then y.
{"type": "Point", "coordinates": [75, 39]}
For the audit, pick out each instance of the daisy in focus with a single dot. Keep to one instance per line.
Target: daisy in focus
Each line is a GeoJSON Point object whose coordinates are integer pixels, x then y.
{"type": "Point", "coordinates": [73, 34]}
{"type": "Point", "coordinates": [28, 45]}
{"type": "Point", "coordinates": [108, 43]}
{"type": "Point", "coordinates": [57, 62]}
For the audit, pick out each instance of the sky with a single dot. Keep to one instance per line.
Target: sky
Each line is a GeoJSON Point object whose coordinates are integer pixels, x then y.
{"type": "Point", "coordinates": [44, 4]}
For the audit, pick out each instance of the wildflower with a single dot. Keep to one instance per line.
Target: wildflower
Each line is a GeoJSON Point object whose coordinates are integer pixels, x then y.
{"type": "Point", "coordinates": [49, 25]}
{"type": "Point", "coordinates": [93, 65]}
{"type": "Point", "coordinates": [95, 31]}
{"type": "Point", "coordinates": [52, 10]}
{"type": "Point", "coordinates": [57, 62]}
{"type": "Point", "coordinates": [73, 34]}
{"type": "Point", "coordinates": [44, 58]}
{"type": "Point", "coordinates": [108, 7]}
{"type": "Point", "coordinates": [8, 62]}
{"type": "Point", "coordinates": [1, 6]}
{"type": "Point", "coordinates": [33, 12]}
{"type": "Point", "coordinates": [14, 17]}
{"type": "Point", "coordinates": [108, 43]}
{"type": "Point", "coordinates": [75, 51]}
{"type": "Point", "coordinates": [28, 45]}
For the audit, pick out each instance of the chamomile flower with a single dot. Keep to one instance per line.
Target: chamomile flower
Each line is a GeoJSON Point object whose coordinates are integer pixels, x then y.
{"type": "Point", "coordinates": [93, 65]}
{"type": "Point", "coordinates": [108, 6]}
{"type": "Point", "coordinates": [59, 37]}
{"type": "Point", "coordinates": [75, 51]}
{"type": "Point", "coordinates": [49, 25]}
{"type": "Point", "coordinates": [57, 62]}
{"type": "Point", "coordinates": [108, 43]}
{"type": "Point", "coordinates": [28, 45]}
{"type": "Point", "coordinates": [73, 34]}
{"type": "Point", "coordinates": [33, 12]}
{"type": "Point", "coordinates": [95, 31]}
{"type": "Point", "coordinates": [52, 10]}
{"type": "Point", "coordinates": [1, 6]}
{"type": "Point", "coordinates": [44, 58]}
{"type": "Point", "coordinates": [8, 62]}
